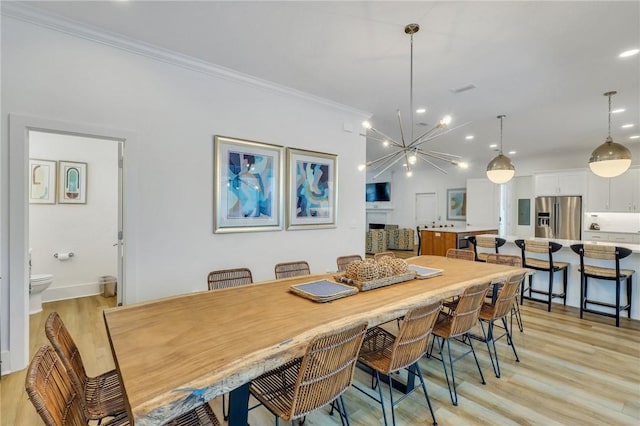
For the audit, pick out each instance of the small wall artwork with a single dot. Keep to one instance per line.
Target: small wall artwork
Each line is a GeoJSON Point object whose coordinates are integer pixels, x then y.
{"type": "Point", "coordinates": [247, 186]}
{"type": "Point", "coordinates": [42, 181]}
{"type": "Point", "coordinates": [457, 204]}
{"type": "Point", "coordinates": [72, 185]}
{"type": "Point", "coordinates": [312, 189]}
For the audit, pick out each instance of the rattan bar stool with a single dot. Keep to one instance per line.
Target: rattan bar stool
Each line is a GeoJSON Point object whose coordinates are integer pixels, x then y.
{"type": "Point", "coordinates": [549, 265]}
{"type": "Point", "coordinates": [227, 278]}
{"type": "Point", "coordinates": [343, 261]}
{"type": "Point", "coordinates": [58, 402]}
{"type": "Point", "coordinates": [455, 325]}
{"type": "Point", "coordinates": [292, 269]}
{"type": "Point", "coordinates": [510, 260]}
{"type": "Point", "coordinates": [492, 312]}
{"type": "Point", "coordinates": [491, 243]}
{"type": "Point", "coordinates": [102, 395]}
{"type": "Point", "coordinates": [319, 378]}
{"type": "Point", "coordinates": [460, 254]}
{"type": "Point", "coordinates": [616, 274]}
{"type": "Point", "coordinates": [385, 353]}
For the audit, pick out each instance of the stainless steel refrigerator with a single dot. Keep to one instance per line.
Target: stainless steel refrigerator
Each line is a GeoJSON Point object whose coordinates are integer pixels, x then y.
{"type": "Point", "coordinates": [559, 217]}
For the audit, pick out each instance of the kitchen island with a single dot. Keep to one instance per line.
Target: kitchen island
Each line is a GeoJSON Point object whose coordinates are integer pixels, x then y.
{"type": "Point", "coordinates": [436, 241]}
{"type": "Point", "coordinates": [598, 289]}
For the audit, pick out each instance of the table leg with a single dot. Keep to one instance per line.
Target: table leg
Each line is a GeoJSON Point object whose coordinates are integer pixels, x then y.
{"type": "Point", "coordinates": [239, 406]}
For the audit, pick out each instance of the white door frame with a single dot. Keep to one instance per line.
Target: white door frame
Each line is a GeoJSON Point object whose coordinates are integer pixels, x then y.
{"type": "Point", "coordinates": [17, 356]}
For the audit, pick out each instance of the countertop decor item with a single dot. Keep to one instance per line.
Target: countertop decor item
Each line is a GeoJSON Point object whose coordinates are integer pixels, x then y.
{"type": "Point", "coordinates": [500, 169]}
{"type": "Point", "coordinates": [610, 159]}
{"type": "Point", "coordinates": [410, 149]}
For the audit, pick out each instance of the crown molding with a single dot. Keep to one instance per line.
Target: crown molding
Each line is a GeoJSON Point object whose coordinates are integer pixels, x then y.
{"type": "Point", "coordinates": [35, 16]}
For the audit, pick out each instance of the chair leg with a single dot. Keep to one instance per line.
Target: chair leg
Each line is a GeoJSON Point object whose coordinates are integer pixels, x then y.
{"type": "Point", "coordinates": [453, 394]}
{"type": "Point", "coordinates": [393, 410]}
{"type": "Point", "coordinates": [384, 412]}
{"type": "Point", "coordinates": [583, 293]}
{"type": "Point", "coordinates": [618, 302]}
{"type": "Point", "coordinates": [476, 358]}
{"type": "Point", "coordinates": [426, 395]}
{"type": "Point", "coordinates": [509, 340]}
{"type": "Point", "coordinates": [550, 290]}
{"type": "Point", "coordinates": [516, 310]}
{"type": "Point", "coordinates": [225, 409]}
{"type": "Point", "coordinates": [489, 338]}
{"type": "Point", "coordinates": [629, 285]}
{"type": "Point", "coordinates": [565, 273]}
{"type": "Point", "coordinates": [344, 420]}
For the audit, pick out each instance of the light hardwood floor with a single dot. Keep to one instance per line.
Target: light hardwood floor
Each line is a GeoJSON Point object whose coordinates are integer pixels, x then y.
{"type": "Point", "coordinates": [572, 372]}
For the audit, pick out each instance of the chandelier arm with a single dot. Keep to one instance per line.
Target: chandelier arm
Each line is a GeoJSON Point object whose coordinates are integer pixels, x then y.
{"type": "Point", "coordinates": [390, 139]}
{"type": "Point", "coordinates": [424, 135]}
{"type": "Point", "coordinates": [445, 154]}
{"type": "Point", "coordinates": [432, 164]}
{"type": "Point", "coordinates": [385, 157]}
{"type": "Point", "coordinates": [438, 157]}
{"type": "Point", "coordinates": [421, 139]}
{"type": "Point", "coordinates": [376, 138]}
{"type": "Point", "coordinates": [388, 167]}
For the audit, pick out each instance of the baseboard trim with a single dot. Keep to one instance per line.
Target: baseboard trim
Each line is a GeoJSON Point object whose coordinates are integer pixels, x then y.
{"type": "Point", "coordinates": [71, 292]}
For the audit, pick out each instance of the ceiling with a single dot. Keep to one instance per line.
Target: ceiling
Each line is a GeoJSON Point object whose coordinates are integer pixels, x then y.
{"type": "Point", "coordinates": [545, 64]}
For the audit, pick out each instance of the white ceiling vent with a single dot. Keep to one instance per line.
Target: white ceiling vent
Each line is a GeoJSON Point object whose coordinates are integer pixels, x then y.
{"type": "Point", "coordinates": [464, 88]}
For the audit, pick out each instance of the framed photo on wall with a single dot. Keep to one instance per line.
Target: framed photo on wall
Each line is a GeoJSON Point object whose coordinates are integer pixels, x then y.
{"type": "Point", "coordinates": [457, 204]}
{"type": "Point", "coordinates": [312, 190]}
{"type": "Point", "coordinates": [247, 186]}
{"type": "Point", "coordinates": [42, 181]}
{"type": "Point", "coordinates": [72, 184]}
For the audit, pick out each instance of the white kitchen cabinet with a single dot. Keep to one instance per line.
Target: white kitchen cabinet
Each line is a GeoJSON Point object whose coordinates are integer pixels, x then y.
{"type": "Point", "coordinates": [483, 203]}
{"type": "Point", "coordinates": [594, 236]}
{"type": "Point", "coordinates": [618, 194]}
{"type": "Point", "coordinates": [565, 183]}
{"type": "Point", "coordinates": [611, 237]}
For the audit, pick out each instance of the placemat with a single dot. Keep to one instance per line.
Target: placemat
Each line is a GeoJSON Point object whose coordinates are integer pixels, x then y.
{"type": "Point", "coordinates": [323, 290]}
{"type": "Point", "coordinates": [423, 272]}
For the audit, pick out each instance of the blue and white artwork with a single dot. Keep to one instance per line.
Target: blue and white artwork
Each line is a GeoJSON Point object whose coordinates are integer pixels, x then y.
{"type": "Point", "coordinates": [312, 189]}
{"type": "Point", "coordinates": [250, 178]}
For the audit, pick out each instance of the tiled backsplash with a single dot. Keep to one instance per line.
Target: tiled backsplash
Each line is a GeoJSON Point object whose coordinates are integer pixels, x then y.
{"type": "Point", "coordinates": [613, 222]}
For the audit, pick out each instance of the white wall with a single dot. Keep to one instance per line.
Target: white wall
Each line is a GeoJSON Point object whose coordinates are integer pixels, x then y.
{"type": "Point", "coordinates": [174, 113]}
{"type": "Point", "coordinates": [88, 230]}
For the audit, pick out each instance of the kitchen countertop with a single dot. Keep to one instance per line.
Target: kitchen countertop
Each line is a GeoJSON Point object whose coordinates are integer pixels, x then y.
{"type": "Point", "coordinates": [458, 230]}
{"type": "Point", "coordinates": [635, 248]}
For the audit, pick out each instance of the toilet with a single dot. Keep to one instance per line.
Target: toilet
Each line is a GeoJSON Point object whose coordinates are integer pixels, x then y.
{"type": "Point", "coordinates": [38, 284]}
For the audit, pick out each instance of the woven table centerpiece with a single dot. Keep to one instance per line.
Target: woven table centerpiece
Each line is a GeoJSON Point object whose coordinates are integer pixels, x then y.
{"type": "Point", "coordinates": [368, 274]}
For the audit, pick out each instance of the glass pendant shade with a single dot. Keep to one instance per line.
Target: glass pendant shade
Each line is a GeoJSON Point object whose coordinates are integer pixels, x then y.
{"type": "Point", "coordinates": [610, 159]}
{"type": "Point", "coordinates": [500, 169]}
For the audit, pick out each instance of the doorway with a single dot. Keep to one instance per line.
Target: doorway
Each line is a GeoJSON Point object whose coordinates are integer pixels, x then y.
{"type": "Point", "coordinates": [15, 348]}
{"type": "Point", "coordinates": [426, 209]}
{"type": "Point", "coordinates": [74, 216]}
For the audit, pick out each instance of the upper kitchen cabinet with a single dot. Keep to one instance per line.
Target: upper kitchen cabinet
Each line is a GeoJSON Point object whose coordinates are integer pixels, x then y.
{"type": "Point", "coordinates": [483, 203]}
{"type": "Point", "coordinates": [565, 183]}
{"type": "Point", "coordinates": [618, 194]}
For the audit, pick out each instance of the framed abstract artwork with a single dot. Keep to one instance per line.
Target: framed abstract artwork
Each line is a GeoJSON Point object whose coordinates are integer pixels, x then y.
{"type": "Point", "coordinates": [247, 186]}
{"type": "Point", "coordinates": [42, 181]}
{"type": "Point", "coordinates": [457, 204]}
{"type": "Point", "coordinates": [72, 184]}
{"type": "Point", "coordinates": [312, 190]}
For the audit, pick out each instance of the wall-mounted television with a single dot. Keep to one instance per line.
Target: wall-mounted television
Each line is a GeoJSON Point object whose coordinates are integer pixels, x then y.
{"type": "Point", "coordinates": [379, 191]}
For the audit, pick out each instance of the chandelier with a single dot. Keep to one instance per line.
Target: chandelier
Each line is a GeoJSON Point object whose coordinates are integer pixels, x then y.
{"type": "Point", "coordinates": [610, 159]}
{"type": "Point", "coordinates": [411, 149]}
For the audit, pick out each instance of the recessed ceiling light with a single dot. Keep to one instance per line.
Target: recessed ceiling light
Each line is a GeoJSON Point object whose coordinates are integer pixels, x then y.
{"type": "Point", "coordinates": [493, 145]}
{"type": "Point", "coordinates": [626, 126]}
{"type": "Point", "coordinates": [421, 110]}
{"type": "Point", "coordinates": [512, 152]}
{"type": "Point", "coordinates": [634, 137]}
{"type": "Point", "coordinates": [628, 53]}
{"type": "Point", "coordinates": [469, 137]}
{"type": "Point", "coordinates": [616, 111]}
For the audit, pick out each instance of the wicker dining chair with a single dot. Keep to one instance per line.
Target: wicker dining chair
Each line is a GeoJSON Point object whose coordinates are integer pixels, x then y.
{"type": "Point", "coordinates": [102, 395]}
{"type": "Point", "coordinates": [320, 377]}
{"type": "Point", "coordinates": [386, 354]}
{"type": "Point", "coordinates": [58, 402]}
{"type": "Point", "coordinates": [226, 278]}
{"type": "Point", "coordinates": [292, 269]}
{"type": "Point", "coordinates": [456, 324]}
{"type": "Point", "coordinates": [460, 254]}
{"type": "Point", "coordinates": [343, 261]}
{"type": "Point", "coordinates": [510, 260]}
{"type": "Point", "coordinates": [382, 254]}
{"type": "Point", "coordinates": [490, 313]}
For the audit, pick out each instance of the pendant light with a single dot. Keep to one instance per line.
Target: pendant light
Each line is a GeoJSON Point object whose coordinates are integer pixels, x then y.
{"type": "Point", "coordinates": [610, 159]}
{"type": "Point", "coordinates": [500, 169]}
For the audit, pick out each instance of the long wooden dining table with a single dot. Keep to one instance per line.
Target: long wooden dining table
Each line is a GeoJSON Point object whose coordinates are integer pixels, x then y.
{"type": "Point", "coordinates": [176, 353]}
